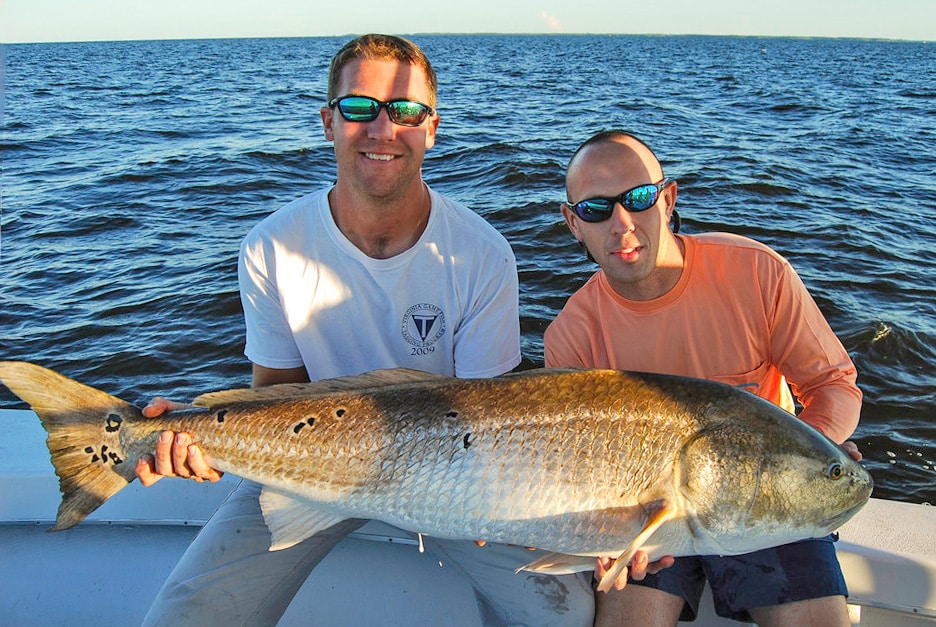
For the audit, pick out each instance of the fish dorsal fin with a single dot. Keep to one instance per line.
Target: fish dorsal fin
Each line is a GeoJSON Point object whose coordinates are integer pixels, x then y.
{"type": "Point", "coordinates": [284, 391]}
{"type": "Point", "coordinates": [292, 520]}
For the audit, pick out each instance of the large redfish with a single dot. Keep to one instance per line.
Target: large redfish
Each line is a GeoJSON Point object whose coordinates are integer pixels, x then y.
{"type": "Point", "coordinates": [579, 463]}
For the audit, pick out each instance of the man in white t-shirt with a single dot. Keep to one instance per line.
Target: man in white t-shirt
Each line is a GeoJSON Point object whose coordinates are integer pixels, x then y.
{"type": "Point", "coordinates": [377, 271]}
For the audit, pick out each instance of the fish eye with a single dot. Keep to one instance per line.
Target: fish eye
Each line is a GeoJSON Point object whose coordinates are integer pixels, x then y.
{"type": "Point", "coordinates": [835, 470]}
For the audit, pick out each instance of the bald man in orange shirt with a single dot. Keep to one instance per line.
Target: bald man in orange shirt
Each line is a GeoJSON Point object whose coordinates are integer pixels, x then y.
{"type": "Point", "coordinates": [712, 306]}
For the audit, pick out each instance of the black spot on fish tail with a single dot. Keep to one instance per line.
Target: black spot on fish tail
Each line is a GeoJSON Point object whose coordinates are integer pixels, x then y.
{"type": "Point", "coordinates": [340, 413]}
{"type": "Point", "coordinates": [105, 455]}
{"type": "Point", "coordinates": [466, 440]}
{"type": "Point", "coordinates": [452, 414]}
{"type": "Point", "coordinates": [113, 423]}
{"type": "Point", "coordinates": [221, 415]}
{"type": "Point", "coordinates": [311, 422]}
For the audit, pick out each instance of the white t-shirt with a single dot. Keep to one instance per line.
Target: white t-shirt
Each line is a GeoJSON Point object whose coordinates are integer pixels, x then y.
{"type": "Point", "coordinates": [448, 305]}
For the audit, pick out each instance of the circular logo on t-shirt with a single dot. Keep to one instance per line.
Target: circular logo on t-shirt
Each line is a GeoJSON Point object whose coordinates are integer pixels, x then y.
{"type": "Point", "coordinates": [423, 325]}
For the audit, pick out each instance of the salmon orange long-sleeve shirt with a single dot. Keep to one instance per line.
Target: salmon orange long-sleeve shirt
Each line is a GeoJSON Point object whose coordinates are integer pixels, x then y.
{"type": "Point", "coordinates": [739, 314]}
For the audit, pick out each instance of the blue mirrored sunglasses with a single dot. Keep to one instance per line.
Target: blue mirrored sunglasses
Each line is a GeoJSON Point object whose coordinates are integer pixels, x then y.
{"type": "Point", "coordinates": [365, 109]}
{"type": "Point", "coordinates": [637, 199]}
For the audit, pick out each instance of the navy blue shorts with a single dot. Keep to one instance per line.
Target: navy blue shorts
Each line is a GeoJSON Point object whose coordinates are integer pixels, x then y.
{"type": "Point", "coordinates": [793, 572]}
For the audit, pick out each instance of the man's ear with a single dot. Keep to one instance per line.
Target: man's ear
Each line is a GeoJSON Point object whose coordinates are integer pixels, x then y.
{"type": "Point", "coordinates": [669, 195]}
{"type": "Point", "coordinates": [327, 117]}
{"type": "Point", "coordinates": [432, 129]}
{"type": "Point", "coordinates": [571, 220]}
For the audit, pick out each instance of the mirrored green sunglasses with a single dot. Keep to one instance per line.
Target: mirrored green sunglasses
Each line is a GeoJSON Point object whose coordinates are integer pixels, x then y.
{"type": "Point", "coordinates": [365, 109]}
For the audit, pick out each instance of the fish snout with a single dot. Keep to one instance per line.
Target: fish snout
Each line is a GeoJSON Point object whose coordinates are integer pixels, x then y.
{"type": "Point", "coordinates": [855, 491]}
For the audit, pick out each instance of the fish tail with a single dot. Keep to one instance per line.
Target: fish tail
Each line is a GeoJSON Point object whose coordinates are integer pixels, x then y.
{"type": "Point", "coordinates": [83, 426]}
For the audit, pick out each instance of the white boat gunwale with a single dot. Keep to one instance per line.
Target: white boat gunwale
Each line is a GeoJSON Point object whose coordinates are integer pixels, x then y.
{"type": "Point", "coordinates": [887, 552]}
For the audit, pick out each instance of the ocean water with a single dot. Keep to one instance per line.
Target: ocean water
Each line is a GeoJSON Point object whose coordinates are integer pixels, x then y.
{"type": "Point", "coordinates": [131, 171]}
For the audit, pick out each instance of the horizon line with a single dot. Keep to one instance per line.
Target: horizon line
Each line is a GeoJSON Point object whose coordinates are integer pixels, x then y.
{"type": "Point", "coordinates": [471, 34]}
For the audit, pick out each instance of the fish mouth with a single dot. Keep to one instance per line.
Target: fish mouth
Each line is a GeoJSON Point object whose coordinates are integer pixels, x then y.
{"type": "Point", "coordinates": [836, 521]}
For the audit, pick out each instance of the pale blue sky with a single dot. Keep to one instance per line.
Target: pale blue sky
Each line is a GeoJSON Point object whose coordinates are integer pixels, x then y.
{"type": "Point", "coordinates": [86, 20]}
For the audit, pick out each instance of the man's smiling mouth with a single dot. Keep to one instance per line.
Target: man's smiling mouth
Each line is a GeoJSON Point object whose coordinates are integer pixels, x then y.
{"type": "Point", "coordinates": [627, 254]}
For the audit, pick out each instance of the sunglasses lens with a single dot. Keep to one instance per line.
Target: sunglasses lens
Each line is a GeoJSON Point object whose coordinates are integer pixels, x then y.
{"type": "Point", "coordinates": [407, 112]}
{"type": "Point", "coordinates": [640, 198]}
{"type": "Point", "coordinates": [358, 108]}
{"type": "Point", "coordinates": [595, 210]}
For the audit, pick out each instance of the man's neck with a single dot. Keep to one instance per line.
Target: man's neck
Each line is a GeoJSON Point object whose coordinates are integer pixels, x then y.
{"type": "Point", "coordinates": [381, 228]}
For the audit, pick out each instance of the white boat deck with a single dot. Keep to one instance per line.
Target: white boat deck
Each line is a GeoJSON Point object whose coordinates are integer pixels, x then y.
{"type": "Point", "coordinates": [110, 567]}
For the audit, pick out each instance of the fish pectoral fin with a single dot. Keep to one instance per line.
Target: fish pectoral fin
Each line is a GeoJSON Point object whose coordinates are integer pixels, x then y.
{"type": "Point", "coordinates": [560, 564]}
{"type": "Point", "coordinates": [639, 521]}
{"type": "Point", "coordinates": [657, 513]}
{"type": "Point", "coordinates": [286, 391]}
{"type": "Point", "coordinates": [291, 520]}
